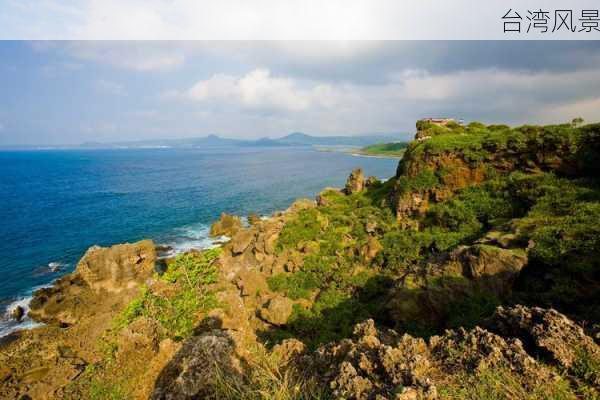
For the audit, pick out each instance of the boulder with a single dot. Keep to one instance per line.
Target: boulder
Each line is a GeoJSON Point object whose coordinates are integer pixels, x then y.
{"type": "Point", "coordinates": [193, 371]}
{"type": "Point", "coordinates": [227, 225]}
{"type": "Point", "coordinates": [123, 266]}
{"type": "Point", "coordinates": [277, 311]}
{"type": "Point", "coordinates": [355, 182]}
{"type": "Point", "coordinates": [18, 313]}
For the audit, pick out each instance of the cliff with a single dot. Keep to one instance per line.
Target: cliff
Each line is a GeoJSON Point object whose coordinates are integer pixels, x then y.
{"type": "Point", "coordinates": [472, 273]}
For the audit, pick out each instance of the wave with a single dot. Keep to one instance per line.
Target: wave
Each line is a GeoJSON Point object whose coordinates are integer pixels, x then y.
{"type": "Point", "coordinates": [8, 325]}
{"type": "Point", "coordinates": [182, 239]}
{"type": "Point", "coordinates": [191, 237]}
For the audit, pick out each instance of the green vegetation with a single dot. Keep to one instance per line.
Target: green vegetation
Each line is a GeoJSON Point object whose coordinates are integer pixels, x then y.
{"type": "Point", "coordinates": [385, 149]}
{"type": "Point", "coordinates": [555, 214]}
{"type": "Point", "coordinates": [191, 273]}
{"type": "Point", "coordinates": [503, 384]}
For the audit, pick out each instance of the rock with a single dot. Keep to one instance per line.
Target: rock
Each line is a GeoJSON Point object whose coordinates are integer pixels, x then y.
{"type": "Point", "coordinates": [381, 364]}
{"type": "Point", "coordinates": [241, 241]}
{"type": "Point", "coordinates": [253, 218]}
{"type": "Point", "coordinates": [277, 311]}
{"type": "Point", "coordinates": [18, 313]}
{"type": "Point", "coordinates": [355, 182]}
{"type": "Point", "coordinates": [549, 334]}
{"type": "Point", "coordinates": [251, 282]}
{"type": "Point", "coordinates": [123, 266]}
{"type": "Point", "coordinates": [192, 372]}
{"type": "Point", "coordinates": [289, 350]}
{"type": "Point", "coordinates": [499, 267]}
{"type": "Point", "coordinates": [227, 225]}
{"type": "Point", "coordinates": [120, 269]}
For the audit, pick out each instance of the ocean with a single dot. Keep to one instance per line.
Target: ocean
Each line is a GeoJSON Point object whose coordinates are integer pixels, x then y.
{"type": "Point", "coordinates": [54, 204]}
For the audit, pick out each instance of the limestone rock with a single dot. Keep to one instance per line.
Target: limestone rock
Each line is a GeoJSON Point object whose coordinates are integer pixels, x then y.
{"type": "Point", "coordinates": [277, 311]}
{"type": "Point", "coordinates": [355, 182]}
{"type": "Point", "coordinates": [123, 266]}
{"type": "Point", "coordinates": [548, 333]}
{"type": "Point", "coordinates": [227, 225]}
{"type": "Point", "coordinates": [241, 240]}
{"type": "Point", "coordinates": [192, 372]}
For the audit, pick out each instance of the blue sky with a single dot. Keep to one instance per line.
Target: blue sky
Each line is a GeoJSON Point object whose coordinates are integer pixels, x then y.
{"type": "Point", "coordinates": [73, 92]}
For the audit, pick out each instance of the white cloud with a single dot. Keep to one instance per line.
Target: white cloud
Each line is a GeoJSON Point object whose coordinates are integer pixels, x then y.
{"type": "Point", "coordinates": [258, 89]}
{"type": "Point", "coordinates": [490, 95]}
{"type": "Point", "coordinates": [109, 87]}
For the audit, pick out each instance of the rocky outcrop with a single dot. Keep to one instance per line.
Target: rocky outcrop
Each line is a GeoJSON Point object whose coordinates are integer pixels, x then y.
{"type": "Point", "coordinates": [194, 370]}
{"type": "Point", "coordinates": [117, 269]}
{"type": "Point", "coordinates": [381, 364]}
{"type": "Point", "coordinates": [550, 335]}
{"type": "Point", "coordinates": [277, 310]}
{"type": "Point", "coordinates": [123, 266]}
{"type": "Point", "coordinates": [425, 292]}
{"type": "Point", "coordinates": [355, 182]}
{"type": "Point", "coordinates": [227, 225]}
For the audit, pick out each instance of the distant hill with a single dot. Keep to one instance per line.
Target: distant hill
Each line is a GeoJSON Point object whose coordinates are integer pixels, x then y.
{"type": "Point", "coordinates": [293, 139]}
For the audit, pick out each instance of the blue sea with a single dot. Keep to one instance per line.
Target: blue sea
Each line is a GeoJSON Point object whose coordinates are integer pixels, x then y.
{"type": "Point", "coordinates": [55, 204]}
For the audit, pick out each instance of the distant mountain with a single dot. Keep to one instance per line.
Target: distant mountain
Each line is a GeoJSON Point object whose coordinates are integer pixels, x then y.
{"type": "Point", "coordinates": [293, 139]}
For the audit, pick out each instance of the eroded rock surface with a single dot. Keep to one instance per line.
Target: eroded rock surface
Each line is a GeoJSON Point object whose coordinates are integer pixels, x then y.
{"type": "Point", "coordinates": [227, 225]}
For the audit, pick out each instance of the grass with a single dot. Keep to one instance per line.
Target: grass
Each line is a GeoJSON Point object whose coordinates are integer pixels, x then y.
{"type": "Point", "coordinates": [191, 273]}
{"type": "Point", "coordinates": [268, 378]}
{"type": "Point", "coordinates": [385, 149]}
{"type": "Point", "coordinates": [502, 384]}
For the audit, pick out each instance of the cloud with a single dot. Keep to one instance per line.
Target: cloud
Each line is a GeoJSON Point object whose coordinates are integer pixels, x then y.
{"type": "Point", "coordinates": [109, 87]}
{"type": "Point", "coordinates": [258, 89]}
{"type": "Point", "coordinates": [490, 95]}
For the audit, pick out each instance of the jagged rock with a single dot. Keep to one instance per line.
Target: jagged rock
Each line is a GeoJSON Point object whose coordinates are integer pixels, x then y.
{"type": "Point", "coordinates": [355, 182]}
{"type": "Point", "coordinates": [373, 364]}
{"type": "Point", "coordinates": [192, 372]}
{"type": "Point", "coordinates": [241, 241]}
{"type": "Point", "coordinates": [18, 313]}
{"type": "Point", "coordinates": [119, 267]}
{"type": "Point", "coordinates": [277, 311]}
{"type": "Point", "coordinates": [547, 333]}
{"type": "Point", "coordinates": [227, 225]}
{"type": "Point", "coordinates": [478, 349]}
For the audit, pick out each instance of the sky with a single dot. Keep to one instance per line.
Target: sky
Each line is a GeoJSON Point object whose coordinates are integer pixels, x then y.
{"type": "Point", "coordinates": [69, 92]}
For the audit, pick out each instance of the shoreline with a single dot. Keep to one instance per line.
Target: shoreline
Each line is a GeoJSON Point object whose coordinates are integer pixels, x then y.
{"type": "Point", "coordinates": [357, 153]}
